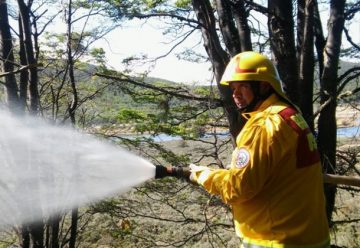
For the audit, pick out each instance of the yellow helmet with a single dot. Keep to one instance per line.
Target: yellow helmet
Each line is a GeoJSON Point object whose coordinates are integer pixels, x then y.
{"type": "Point", "coordinates": [252, 66]}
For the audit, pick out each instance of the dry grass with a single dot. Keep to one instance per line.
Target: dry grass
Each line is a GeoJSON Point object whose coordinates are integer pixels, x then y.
{"type": "Point", "coordinates": [347, 116]}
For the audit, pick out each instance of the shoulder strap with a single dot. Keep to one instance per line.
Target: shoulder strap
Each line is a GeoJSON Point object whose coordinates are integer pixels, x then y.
{"type": "Point", "coordinates": [307, 152]}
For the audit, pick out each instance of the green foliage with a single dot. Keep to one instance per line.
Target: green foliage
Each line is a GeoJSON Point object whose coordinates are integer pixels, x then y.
{"type": "Point", "coordinates": [85, 4]}
{"type": "Point", "coordinates": [150, 4]}
{"type": "Point", "coordinates": [128, 116]}
{"type": "Point", "coordinates": [185, 4]}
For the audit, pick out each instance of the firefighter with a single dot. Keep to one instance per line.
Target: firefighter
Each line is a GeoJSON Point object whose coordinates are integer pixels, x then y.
{"type": "Point", "coordinates": [274, 185]}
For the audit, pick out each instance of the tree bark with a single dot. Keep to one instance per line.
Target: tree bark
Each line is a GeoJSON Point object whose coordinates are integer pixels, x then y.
{"type": "Point", "coordinates": [72, 110]}
{"type": "Point", "coordinates": [54, 226]}
{"type": "Point", "coordinates": [24, 75]}
{"type": "Point", "coordinates": [240, 16]}
{"type": "Point", "coordinates": [25, 236]}
{"type": "Point", "coordinates": [73, 231]}
{"type": "Point", "coordinates": [7, 58]}
{"type": "Point", "coordinates": [36, 229]}
{"type": "Point", "coordinates": [306, 59]}
{"type": "Point", "coordinates": [282, 42]}
{"type": "Point", "coordinates": [30, 57]}
{"type": "Point", "coordinates": [319, 38]}
{"type": "Point", "coordinates": [227, 27]}
{"type": "Point", "coordinates": [327, 118]}
{"type": "Point", "coordinates": [74, 102]}
{"type": "Point", "coordinates": [219, 59]}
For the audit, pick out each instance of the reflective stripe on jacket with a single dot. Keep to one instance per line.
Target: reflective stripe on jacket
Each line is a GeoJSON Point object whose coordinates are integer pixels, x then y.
{"type": "Point", "coordinates": [325, 244]}
{"type": "Point", "coordinates": [274, 185]}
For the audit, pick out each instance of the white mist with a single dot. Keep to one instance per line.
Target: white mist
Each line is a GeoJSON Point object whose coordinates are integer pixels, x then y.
{"type": "Point", "coordinates": [46, 169]}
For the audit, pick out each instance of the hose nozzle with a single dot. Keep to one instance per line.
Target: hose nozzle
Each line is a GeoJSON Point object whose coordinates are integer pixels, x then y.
{"type": "Point", "coordinates": [179, 172]}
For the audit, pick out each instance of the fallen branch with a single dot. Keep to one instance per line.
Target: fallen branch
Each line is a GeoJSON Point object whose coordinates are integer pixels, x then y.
{"type": "Point", "coordinates": [346, 180]}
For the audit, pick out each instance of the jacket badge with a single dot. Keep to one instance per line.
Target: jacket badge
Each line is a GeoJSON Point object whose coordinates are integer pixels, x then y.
{"type": "Point", "coordinates": [242, 159]}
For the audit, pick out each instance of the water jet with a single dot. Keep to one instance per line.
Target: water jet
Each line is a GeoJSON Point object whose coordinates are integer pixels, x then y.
{"type": "Point", "coordinates": [46, 169]}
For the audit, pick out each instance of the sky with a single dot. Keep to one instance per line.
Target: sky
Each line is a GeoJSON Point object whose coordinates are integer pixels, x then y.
{"type": "Point", "coordinates": [136, 38]}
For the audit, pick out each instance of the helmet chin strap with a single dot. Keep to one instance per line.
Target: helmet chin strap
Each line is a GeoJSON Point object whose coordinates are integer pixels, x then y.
{"type": "Point", "coordinates": [250, 107]}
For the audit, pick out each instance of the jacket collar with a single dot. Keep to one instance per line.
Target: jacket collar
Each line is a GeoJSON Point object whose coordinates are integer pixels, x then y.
{"type": "Point", "coordinates": [271, 100]}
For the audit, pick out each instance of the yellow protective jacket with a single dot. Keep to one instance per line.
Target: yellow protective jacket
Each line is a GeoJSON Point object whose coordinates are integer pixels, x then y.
{"type": "Point", "coordinates": [274, 185]}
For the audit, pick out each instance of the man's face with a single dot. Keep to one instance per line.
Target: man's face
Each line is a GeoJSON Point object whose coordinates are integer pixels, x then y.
{"type": "Point", "coordinates": [242, 94]}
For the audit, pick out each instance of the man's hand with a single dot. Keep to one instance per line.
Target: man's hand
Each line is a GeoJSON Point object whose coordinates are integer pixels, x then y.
{"type": "Point", "coordinates": [198, 174]}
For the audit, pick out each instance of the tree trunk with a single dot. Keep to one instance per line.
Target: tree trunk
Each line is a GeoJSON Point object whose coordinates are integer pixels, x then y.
{"type": "Point", "coordinates": [52, 236]}
{"type": "Point", "coordinates": [219, 59]}
{"type": "Point", "coordinates": [319, 38]}
{"type": "Point", "coordinates": [24, 237]}
{"type": "Point", "coordinates": [240, 16]}
{"type": "Point", "coordinates": [24, 75]}
{"type": "Point", "coordinates": [73, 232]}
{"type": "Point", "coordinates": [7, 56]}
{"type": "Point", "coordinates": [282, 42]}
{"type": "Point", "coordinates": [327, 118]}
{"type": "Point", "coordinates": [72, 109]}
{"type": "Point", "coordinates": [36, 229]}
{"type": "Point", "coordinates": [74, 102]}
{"type": "Point", "coordinates": [306, 59]}
{"type": "Point", "coordinates": [30, 58]}
{"type": "Point", "coordinates": [227, 27]}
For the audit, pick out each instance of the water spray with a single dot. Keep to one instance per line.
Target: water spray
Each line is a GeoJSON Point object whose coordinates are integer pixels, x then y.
{"type": "Point", "coordinates": [47, 170]}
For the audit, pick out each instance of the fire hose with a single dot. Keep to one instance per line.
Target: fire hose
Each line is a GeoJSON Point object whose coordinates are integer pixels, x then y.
{"type": "Point", "coordinates": [172, 171]}
{"type": "Point", "coordinates": [184, 172]}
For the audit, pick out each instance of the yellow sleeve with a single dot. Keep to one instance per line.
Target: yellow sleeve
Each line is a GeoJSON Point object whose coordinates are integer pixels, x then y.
{"type": "Point", "coordinates": [250, 166]}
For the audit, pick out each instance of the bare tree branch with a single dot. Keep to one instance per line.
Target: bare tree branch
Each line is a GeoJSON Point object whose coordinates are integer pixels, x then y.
{"type": "Point", "coordinates": [176, 45]}
{"type": "Point", "coordinates": [180, 18]}
{"type": "Point", "coordinates": [348, 93]}
{"type": "Point", "coordinates": [347, 77]}
{"type": "Point", "coordinates": [123, 78]}
{"type": "Point", "coordinates": [349, 14]}
{"type": "Point", "coordinates": [349, 39]}
{"type": "Point", "coordinates": [22, 68]}
{"type": "Point", "coordinates": [322, 106]}
{"type": "Point", "coordinates": [257, 7]}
